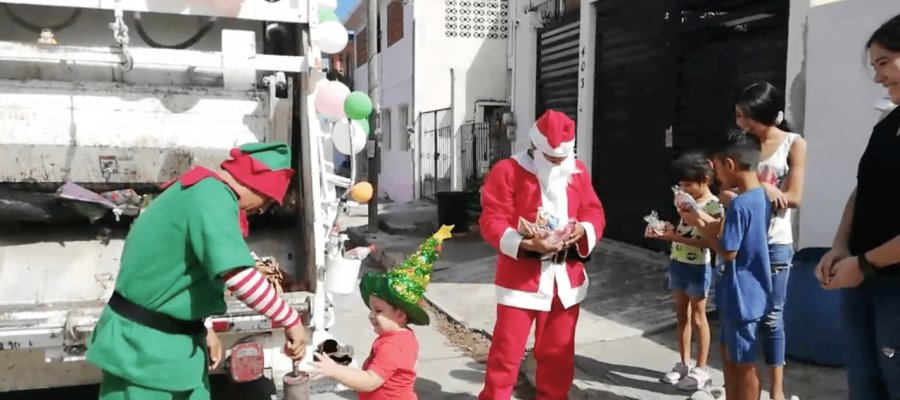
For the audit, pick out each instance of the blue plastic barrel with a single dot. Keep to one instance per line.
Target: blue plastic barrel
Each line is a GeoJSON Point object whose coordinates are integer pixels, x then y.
{"type": "Point", "coordinates": [812, 314]}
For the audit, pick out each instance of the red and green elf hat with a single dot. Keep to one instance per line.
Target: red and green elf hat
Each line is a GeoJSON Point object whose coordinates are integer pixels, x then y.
{"type": "Point", "coordinates": [263, 167]}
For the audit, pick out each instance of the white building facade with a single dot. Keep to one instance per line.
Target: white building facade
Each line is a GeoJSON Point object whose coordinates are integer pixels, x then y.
{"type": "Point", "coordinates": [447, 70]}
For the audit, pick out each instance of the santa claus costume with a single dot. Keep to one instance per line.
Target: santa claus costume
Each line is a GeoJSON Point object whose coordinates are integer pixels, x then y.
{"type": "Point", "coordinates": [531, 290]}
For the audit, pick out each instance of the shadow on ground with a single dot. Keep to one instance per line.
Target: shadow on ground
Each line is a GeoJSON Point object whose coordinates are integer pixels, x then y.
{"type": "Point", "coordinates": [808, 381]}
{"type": "Point", "coordinates": [627, 376]}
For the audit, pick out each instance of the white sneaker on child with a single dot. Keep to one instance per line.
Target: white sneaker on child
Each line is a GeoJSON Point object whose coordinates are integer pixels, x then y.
{"type": "Point", "coordinates": [696, 379]}
{"type": "Point", "coordinates": [679, 371]}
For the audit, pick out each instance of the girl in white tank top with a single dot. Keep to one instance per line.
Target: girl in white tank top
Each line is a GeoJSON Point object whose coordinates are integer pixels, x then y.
{"type": "Point", "coordinates": [759, 111]}
{"type": "Point", "coordinates": [774, 171]}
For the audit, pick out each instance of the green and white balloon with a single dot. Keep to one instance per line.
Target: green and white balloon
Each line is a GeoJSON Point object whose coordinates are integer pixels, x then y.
{"type": "Point", "coordinates": [357, 105]}
{"type": "Point", "coordinates": [330, 36]}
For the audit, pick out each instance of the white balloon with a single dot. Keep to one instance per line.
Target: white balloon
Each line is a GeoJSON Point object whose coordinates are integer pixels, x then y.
{"type": "Point", "coordinates": [328, 3]}
{"type": "Point", "coordinates": [348, 137]}
{"type": "Point", "coordinates": [330, 98]}
{"type": "Point", "coordinates": [330, 37]}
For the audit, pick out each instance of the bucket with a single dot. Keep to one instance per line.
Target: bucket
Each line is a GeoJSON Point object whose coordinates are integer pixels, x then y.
{"type": "Point", "coordinates": [452, 209]}
{"type": "Point", "coordinates": [812, 323]}
{"type": "Point", "coordinates": [341, 275]}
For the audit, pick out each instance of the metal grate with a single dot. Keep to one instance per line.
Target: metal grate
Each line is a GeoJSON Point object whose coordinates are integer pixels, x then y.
{"type": "Point", "coordinates": [436, 136]}
{"type": "Point", "coordinates": [557, 67]}
{"type": "Point", "coordinates": [666, 77]}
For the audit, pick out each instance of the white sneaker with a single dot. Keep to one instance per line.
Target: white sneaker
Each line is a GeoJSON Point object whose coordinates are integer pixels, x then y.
{"type": "Point", "coordinates": [696, 379]}
{"type": "Point", "coordinates": [678, 372]}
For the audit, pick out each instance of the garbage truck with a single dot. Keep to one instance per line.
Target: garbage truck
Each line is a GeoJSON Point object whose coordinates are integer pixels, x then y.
{"type": "Point", "coordinates": [101, 102]}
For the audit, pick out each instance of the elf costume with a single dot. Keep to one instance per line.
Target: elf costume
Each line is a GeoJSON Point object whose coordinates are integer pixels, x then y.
{"type": "Point", "coordinates": [179, 257]}
{"type": "Point", "coordinates": [531, 290]}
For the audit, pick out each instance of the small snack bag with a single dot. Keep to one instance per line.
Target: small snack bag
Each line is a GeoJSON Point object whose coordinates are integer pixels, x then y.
{"type": "Point", "coordinates": [684, 201]}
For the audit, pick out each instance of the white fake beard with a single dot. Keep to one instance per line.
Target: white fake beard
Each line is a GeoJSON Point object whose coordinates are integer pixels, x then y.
{"type": "Point", "coordinates": [554, 179]}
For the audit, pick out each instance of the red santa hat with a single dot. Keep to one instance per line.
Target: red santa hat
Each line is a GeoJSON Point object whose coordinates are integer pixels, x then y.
{"type": "Point", "coordinates": [554, 134]}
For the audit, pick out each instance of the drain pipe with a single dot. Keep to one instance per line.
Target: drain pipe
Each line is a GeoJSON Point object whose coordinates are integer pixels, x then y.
{"type": "Point", "coordinates": [454, 160]}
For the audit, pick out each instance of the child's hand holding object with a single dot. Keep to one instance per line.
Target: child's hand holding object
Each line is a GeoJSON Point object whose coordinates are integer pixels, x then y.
{"type": "Point", "coordinates": [656, 228]}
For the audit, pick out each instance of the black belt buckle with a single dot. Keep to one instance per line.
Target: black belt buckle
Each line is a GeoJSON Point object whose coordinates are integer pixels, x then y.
{"type": "Point", "coordinates": [154, 319]}
{"type": "Point", "coordinates": [560, 256]}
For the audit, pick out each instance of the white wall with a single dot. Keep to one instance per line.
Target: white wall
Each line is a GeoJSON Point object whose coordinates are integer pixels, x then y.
{"type": "Point", "coordinates": [524, 28]}
{"type": "Point", "coordinates": [524, 36]}
{"type": "Point", "coordinates": [840, 102]}
{"type": "Point", "coordinates": [479, 68]}
{"type": "Point", "coordinates": [396, 179]}
{"type": "Point", "coordinates": [395, 63]}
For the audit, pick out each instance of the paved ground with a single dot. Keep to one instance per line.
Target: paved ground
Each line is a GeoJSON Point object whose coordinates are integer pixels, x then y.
{"type": "Point", "coordinates": [625, 338]}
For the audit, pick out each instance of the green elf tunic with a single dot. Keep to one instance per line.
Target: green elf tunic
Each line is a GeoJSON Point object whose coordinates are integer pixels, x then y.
{"type": "Point", "coordinates": [173, 258]}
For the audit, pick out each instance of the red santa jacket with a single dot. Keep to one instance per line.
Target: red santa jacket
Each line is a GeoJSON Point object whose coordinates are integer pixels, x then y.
{"type": "Point", "coordinates": [511, 190]}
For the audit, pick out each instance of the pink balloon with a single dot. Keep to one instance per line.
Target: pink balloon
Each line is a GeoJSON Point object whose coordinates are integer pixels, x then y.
{"type": "Point", "coordinates": [330, 97]}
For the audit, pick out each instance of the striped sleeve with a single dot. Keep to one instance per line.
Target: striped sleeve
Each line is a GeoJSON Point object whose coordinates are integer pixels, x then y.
{"type": "Point", "coordinates": [251, 288]}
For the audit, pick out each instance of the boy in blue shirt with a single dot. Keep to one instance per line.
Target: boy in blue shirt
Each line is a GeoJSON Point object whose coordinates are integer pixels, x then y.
{"type": "Point", "coordinates": [744, 283]}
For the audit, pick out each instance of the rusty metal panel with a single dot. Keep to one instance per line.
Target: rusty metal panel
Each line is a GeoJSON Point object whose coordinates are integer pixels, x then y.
{"type": "Point", "coordinates": [107, 132]}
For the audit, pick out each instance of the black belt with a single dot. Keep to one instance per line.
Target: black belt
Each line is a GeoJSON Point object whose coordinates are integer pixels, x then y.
{"type": "Point", "coordinates": [154, 319]}
{"type": "Point", "coordinates": [559, 257]}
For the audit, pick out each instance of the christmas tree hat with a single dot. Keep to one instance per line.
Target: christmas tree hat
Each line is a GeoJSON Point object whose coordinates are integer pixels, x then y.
{"type": "Point", "coordinates": [404, 286]}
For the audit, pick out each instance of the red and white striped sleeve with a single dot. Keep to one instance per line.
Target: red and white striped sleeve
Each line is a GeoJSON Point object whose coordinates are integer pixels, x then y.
{"type": "Point", "coordinates": [252, 289]}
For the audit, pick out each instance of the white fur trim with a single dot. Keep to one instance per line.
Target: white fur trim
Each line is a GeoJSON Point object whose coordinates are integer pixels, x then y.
{"type": "Point", "coordinates": [525, 161]}
{"type": "Point", "coordinates": [591, 239]}
{"type": "Point", "coordinates": [509, 243]}
{"type": "Point", "coordinates": [542, 300]}
{"type": "Point", "coordinates": [540, 141]}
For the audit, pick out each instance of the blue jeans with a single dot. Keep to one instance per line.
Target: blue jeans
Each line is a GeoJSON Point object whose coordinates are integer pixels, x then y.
{"type": "Point", "coordinates": [870, 319]}
{"type": "Point", "coordinates": [781, 258]}
{"type": "Point", "coordinates": [695, 280]}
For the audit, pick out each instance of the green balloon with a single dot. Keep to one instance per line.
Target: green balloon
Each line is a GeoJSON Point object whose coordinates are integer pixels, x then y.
{"type": "Point", "coordinates": [364, 123]}
{"type": "Point", "coordinates": [327, 14]}
{"type": "Point", "coordinates": [358, 105]}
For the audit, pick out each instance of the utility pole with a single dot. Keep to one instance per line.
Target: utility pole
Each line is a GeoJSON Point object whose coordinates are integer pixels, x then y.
{"type": "Point", "coordinates": [373, 150]}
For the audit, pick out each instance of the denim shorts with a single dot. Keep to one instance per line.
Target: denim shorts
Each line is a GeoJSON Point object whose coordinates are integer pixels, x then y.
{"type": "Point", "coordinates": [741, 339]}
{"type": "Point", "coordinates": [693, 279]}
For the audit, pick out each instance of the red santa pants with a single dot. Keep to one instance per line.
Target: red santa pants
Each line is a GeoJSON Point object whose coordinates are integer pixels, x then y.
{"type": "Point", "coordinates": [554, 351]}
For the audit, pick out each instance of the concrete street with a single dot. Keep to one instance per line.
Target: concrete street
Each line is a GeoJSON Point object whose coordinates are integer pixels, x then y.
{"type": "Point", "coordinates": [625, 338]}
{"type": "Point", "coordinates": [624, 342]}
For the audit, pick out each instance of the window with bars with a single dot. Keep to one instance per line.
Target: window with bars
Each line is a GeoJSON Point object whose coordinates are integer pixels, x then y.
{"type": "Point", "coordinates": [394, 22]}
{"type": "Point", "coordinates": [401, 122]}
{"type": "Point", "coordinates": [386, 131]}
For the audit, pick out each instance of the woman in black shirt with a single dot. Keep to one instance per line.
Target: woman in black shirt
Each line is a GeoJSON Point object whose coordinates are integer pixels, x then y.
{"type": "Point", "coordinates": [865, 257]}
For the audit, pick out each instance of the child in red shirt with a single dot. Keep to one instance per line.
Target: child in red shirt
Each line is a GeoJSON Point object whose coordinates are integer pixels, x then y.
{"type": "Point", "coordinates": [390, 371]}
{"type": "Point", "coordinates": [395, 299]}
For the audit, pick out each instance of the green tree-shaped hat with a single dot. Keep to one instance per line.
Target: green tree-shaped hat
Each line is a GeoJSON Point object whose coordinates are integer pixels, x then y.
{"type": "Point", "coordinates": [404, 286]}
